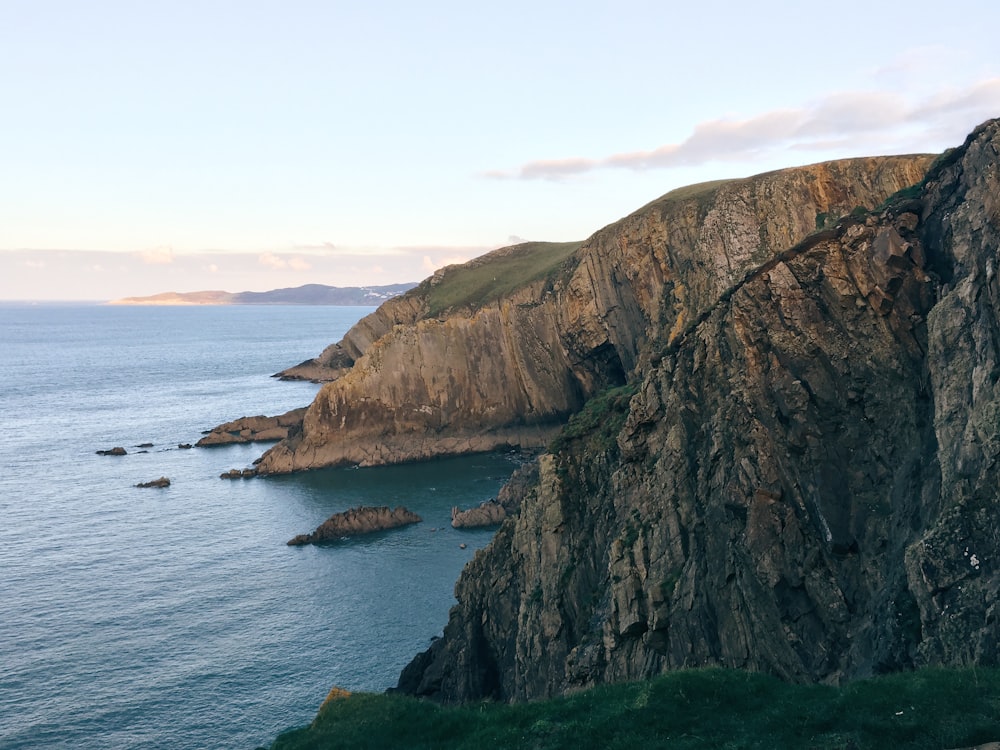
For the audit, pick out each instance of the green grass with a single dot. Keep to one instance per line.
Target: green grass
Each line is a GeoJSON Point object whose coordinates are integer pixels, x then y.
{"type": "Point", "coordinates": [496, 274]}
{"type": "Point", "coordinates": [698, 190]}
{"type": "Point", "coordinates": [708, 708]}
{"type": "Point", "coordinates": [599, 420]}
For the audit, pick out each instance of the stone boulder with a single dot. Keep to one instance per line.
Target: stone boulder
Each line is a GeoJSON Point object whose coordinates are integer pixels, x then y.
{"type": "Point", "coordinates": [357, 521]}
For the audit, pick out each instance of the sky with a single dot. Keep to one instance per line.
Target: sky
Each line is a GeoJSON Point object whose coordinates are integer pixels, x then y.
{"type": "Point", "coordinates": [247, 145]}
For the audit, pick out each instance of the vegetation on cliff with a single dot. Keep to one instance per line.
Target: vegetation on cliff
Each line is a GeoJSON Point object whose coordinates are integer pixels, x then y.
{"type": "Point", "coordinates": [712, 708]}
{"type": "Point", "coordinates": [501, 351]}
{"type": "Point", "coordinates": [492, 276]}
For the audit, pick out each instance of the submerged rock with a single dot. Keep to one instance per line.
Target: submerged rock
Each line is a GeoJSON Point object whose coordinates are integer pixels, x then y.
{"type": "Point", "coordinates": [238, 474]}
{"type": "Point", "coordinates": [361, 520]}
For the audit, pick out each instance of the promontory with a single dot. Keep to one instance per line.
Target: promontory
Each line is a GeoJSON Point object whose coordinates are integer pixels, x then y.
{"type": "Point", "coordinates": [769, 416]}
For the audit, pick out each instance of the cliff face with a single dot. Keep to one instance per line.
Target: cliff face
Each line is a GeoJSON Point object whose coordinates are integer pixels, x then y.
{"type": "Point", "coordinates": [437, 372]}
{"type": "Point", "coordinates": [804, 478]}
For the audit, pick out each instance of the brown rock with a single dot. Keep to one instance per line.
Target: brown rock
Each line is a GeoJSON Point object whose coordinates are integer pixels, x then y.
{"type": "Point", "coordinates": [356, 521]}
{"type": "Point", "coordinates": [161, 482]}
{"type": "Point", "coordinates": [805, 481]}
{"type": "Point", "coordinates": [444, 371]}
{"type": "Point", "coordinates": [487, 514]}
{"type": "Point", "coordinates": [116, 451]}
{"type": "Point", "coordinates": [253, 429]}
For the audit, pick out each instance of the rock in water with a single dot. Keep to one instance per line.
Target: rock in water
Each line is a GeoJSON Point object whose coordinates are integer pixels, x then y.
{"type": "Point", "coordinates": [116, 451]}
{"type": "Point", "coordinates": [161, 482]}
{"type": "Point", "coordinates": [486, 514]}
{"type": "Point", "coordinates": [253, 429]}
{"type": "Point", "coordinates": [361, 520]}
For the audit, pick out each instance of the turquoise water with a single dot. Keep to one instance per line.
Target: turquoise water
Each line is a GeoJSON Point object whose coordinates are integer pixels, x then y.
{"type": "Point", "coordinates": [178, 618]}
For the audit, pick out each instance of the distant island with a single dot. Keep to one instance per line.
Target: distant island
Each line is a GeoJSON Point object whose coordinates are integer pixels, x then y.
{"type": "Point", "coordinates": [309, 294]}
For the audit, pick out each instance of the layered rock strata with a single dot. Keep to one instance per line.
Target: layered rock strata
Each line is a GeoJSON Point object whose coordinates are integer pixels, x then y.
{"type": "Point", "coordinates": [253, 429]}
{"type": "Point", "coordinates": [420, 378]}
{"type": "Point", "coordinates": [802, 479]}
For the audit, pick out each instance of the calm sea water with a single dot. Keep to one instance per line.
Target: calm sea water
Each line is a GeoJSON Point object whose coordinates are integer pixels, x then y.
{"type": "Point", "coordinates": [177, 618]}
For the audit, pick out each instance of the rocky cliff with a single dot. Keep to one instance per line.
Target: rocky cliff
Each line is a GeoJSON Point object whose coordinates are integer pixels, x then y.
{"type": "Point", "coordinates": [501, 351]}
{"type": "Point", "coordinates": [801, 475]}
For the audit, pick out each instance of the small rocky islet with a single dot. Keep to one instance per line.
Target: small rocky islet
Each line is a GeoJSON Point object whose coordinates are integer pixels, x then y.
{"type": "Point", "coordinates": [355, 522]}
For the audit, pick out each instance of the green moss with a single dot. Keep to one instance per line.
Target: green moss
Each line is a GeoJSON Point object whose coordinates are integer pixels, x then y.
{"type": "Point", "coordinates": [683, 710]}
{"type": "Point", "coordinates": [668, 584]}
{"type": "Point", "coordinates": [907, 193]}
{"type": "Point", "coordinates": [495, 275]}
{"type": "Point", "coordinates": [599, 421]}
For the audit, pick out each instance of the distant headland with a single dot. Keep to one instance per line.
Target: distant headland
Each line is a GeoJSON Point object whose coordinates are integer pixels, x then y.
{"type": "Point", "coordinates": [309, 294]}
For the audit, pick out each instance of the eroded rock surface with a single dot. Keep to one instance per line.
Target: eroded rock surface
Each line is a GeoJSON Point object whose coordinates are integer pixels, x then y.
{"type": "Point", "coordinates": [253, 429]}
{"type": "Point", "coordinates": [485, 514]}
{"type": "Point", "coordinates": [805, 481]}
{"type": "Point", "coordinates": [419, 379]}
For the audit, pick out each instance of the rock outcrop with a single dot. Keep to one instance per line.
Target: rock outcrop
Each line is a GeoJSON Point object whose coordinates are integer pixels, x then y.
{"type": "Point", "coordinates": [801, 476]}
{"type": "Point", "coordinates": [360, 520]}
{"type": "Point", "coordinates": [161, 482]}
{"type": "Point", "coordinates": [116, 451]}
{"type": "Point", "coordinates": [501, 351]}
{"type": "Point", "coordinates": [253, 429]}
{"type": "Point", "coordinates": [489, 513]}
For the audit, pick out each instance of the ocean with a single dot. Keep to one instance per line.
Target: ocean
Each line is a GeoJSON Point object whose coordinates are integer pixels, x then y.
{"type": "Point", "coordinates": [177, 617]}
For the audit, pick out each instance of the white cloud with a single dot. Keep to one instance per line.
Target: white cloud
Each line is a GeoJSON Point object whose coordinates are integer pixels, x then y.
{"type": "Point", "coordinates": [844, 120]}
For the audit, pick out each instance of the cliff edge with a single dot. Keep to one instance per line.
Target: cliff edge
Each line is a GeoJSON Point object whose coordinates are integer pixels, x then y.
{"type": "Point", "coordinates": [800, 476]}
{"type": "Point", "coordinates": [501, 351]}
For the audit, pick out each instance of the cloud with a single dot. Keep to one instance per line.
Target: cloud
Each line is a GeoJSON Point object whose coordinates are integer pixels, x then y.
{"type": "Point", "coordinates": [158, 256]}
{"type": "Point", "coordinates": [36, 264]}
{"type": "Point", "coordinates": [278, 263]}
{"type": "Point", "coordinates": [845, 120]}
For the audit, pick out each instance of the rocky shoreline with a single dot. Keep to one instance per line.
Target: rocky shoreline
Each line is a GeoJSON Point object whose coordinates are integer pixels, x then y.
{"type": "Point", "coordinates": [253, 429]}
